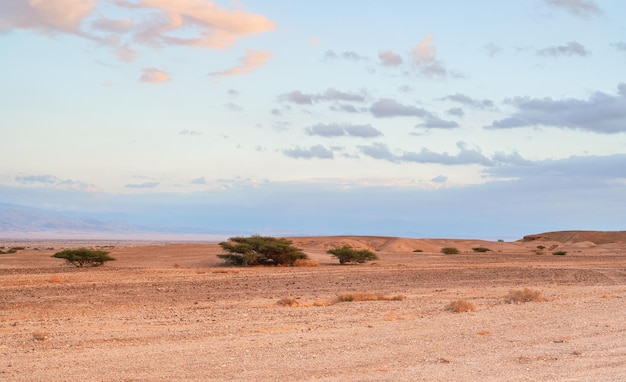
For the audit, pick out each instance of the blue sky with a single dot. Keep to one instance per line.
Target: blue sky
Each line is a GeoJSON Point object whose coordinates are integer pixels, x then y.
{"type": "Point", "coordinates": [447, 118]}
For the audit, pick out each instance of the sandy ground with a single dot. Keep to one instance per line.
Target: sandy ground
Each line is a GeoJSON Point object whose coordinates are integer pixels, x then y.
{"type": "Point", "coordinates": [171, 312]}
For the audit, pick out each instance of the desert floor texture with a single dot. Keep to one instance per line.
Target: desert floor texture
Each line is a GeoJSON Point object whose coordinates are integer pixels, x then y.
{"type": "Point", "coordinates": [172, 312]}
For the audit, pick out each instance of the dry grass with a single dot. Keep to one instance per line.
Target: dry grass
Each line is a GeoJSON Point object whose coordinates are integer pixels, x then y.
{"type": "Point", "coordinates": [367, 296]}
{"type": "Point", "coordinates": [484, 332]}
{"type": "Point", "coordinates": [288, 301]}
{"type": "Point", "coordinates": [40, 336]}
{"type": "Point", "coordinates": [460, 306]}
{"type": "Point", "coordinates": [520, 296]}
{"type": "Point", "coordinates": [306, 263]}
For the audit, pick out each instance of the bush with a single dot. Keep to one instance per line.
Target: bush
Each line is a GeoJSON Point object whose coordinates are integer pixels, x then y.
{"type": "Point", "coordinates": [520, 296]}
{"type": "Point", "coordinates": [460, 306]}
{"type": "Point", "coordinates": [84, 257]}
{"type": "Point", "coordinates": [347, 254]}
{"type": "Point", "coordinates": [449, 251]}
{"type": "Point", "coordinates": [367, 296]}
{"type": "Point", "coordinates": [559, 253]}
{"type": "Point", "coordinates": [481, 249]}
{"type": "Point", "coordinates": [418, 250]}
{"type": "Point", "coordinates": [260, 250]}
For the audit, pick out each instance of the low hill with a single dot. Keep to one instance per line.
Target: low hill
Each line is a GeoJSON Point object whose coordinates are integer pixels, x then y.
{"type": "Point", "coordinates": [597, 237]}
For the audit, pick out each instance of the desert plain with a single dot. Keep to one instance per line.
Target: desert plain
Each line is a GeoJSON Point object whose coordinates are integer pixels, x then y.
{"type": "Point", "coordinates": [173, 312]}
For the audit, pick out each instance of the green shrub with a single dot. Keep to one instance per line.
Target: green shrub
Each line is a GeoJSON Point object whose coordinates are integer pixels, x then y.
{"type": "Point", "coordinates": [84, 257]}
{"type": "Point", "coordinates": [260, 250]}
{"type": "Point", "coordinates": [449, 251]}
{"type": "Point", "coordinates": [347, 254]}
{"type": "Point", "coordinates": [540, 247]}
{"type": "Point", "coordinates": [559, 253]}
{"type": "Point", "coordinates": [418, 250]}
{"type": "Point", "coordinates": [481, 249]}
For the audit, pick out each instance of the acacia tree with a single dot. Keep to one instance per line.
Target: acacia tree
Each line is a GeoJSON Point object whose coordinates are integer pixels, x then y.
{"type": "Point", "coordinates": [347, 254]}
{"type": "Point", "coordinates": [84, 257]}
{"type": "Point", "coordinates": [260, 250]}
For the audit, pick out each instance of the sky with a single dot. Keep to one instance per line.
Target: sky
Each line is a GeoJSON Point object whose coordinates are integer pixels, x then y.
{"type": "Point", "coordinates": [410, 118]}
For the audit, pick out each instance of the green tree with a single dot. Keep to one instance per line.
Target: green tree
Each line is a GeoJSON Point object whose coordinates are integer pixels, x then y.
{"type": "Point", "coordinates": [260, 250]}
{"type": "Point", "coordinates": [84, 257]}
{"type": "Point", "coordinates": [347, 254]}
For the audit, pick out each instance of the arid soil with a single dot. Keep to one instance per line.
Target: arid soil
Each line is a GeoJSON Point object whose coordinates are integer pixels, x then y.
{"type": "Point", "coordinates": [173, 312]}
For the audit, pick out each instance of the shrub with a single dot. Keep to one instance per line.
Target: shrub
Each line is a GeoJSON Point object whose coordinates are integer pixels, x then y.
{"type": "Point", "coordinates": [459, 306]}
{"type": "Point", "coordinates": [347, 254]}
{"type": "Point", "coordinates": [84, 257]}
{"type": "Point", "coordinates": [541, 247]}
{"type": "Point", "coordinates": [520, 296]}
{"type": "Point", "coordinates": [366, 296]}
{"type": "Point", "coordinates": [481, 249]}
{"type": "Point", "coordinates": [559, 253]}
{"type": "Point", "coordinates": [288, 301]}
{"type": "Point", "coordinates": [449, 251]}
{"type": "Point", "coordinates": [418, 250]}
{"type": "Point", "coordinates": [260, 250]}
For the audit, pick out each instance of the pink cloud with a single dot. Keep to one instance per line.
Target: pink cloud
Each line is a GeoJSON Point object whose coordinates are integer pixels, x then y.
{"type": "Point", "coordinates": [252, 60]}
{"type": "Point", "coordinates": [389, 58]}
{"type": "Point", "coordinates": [154, 76]}
{"type": "Point", "coordinates": [216, 27]}
{"type": "Point", "coordinates": [48, 16]}
{"type": "Point", "coordinates": [424, 59]}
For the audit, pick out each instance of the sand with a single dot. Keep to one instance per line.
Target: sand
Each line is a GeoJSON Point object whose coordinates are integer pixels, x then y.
{"type": "Point", "coordinates": [172, 312]}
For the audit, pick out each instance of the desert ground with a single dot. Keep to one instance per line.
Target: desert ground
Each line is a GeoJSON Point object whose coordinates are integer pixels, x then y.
{"type": "Point", "coordinates": [174, 312]}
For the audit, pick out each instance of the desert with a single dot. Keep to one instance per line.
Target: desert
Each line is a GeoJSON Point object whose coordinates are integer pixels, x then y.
{"type": "Point", "coordinates": [171, 311]}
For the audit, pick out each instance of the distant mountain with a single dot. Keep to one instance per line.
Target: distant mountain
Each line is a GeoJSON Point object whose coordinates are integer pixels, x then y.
{"type": "Point", "coordinates": [597, 237]}
{"type": "Point", "coordinates": [15, 218]}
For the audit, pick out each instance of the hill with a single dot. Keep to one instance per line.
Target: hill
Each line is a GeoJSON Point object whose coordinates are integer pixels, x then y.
{"type": "Point", "coordinates": [597, 237]}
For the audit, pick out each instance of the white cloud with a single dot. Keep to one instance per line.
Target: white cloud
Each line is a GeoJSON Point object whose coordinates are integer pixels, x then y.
{"type": "Point", "coordinates": [313, 152]}
{"type": "Point", "coordinates": [154, 76]}
{"type": "Point", "coordinates": [580, 8]}
{"type": "Point", "coordinates": [572, 48]}
{"type": "Point", "coordinates": [251, 61]}
{"type": "Point", "coordinates": [389, 58]}
{"type": "Point", "coordinates": [337, 130]}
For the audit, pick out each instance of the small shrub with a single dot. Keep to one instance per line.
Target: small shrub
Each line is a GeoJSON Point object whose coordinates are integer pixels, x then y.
{"type": "Point", "coordinates": [418, 250]}
{"type": "Point", "coordinates": [481, 249]}
{"type": "Point", "coordinates": [450, 251]}
{"type": "Point", "coordinates": [40, 336]}
{"type": "Point", "coordinates": [306, 263]}
{"type": "Point", "coordinates": [347, 254]}
{"type": "Point", "coordinates": [366, 296]}
{"type": "Point", "coordinates": [288, 301]}
{"type": "Point", "coordinates": [559, 253]}
{"type": "Point", "coordinates": [521, 296]}
{"type": "Point", "coordinates": [460, 306]}
{"type": "Point", "coordinates": [541, 247]}
{"type": "Point", "coordinates": [84, 257]}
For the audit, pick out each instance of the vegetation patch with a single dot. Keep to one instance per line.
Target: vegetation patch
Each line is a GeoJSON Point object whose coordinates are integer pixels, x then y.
{"type": "Point", "coordinates": [460, 306]}
{"type": "Point", "coordinates": [450, 251]}
{"type": "Point", "coordinates": [84, 257]}
{"type": "Point", "coordinates": [367, 296]}
{"type": "Point", "coordinates": [481, 249]}
{"type": "Point", "coordinates": [559, 253]}
{"type": "Point", "coordinates": [288, 301]}
{"type": "Point", "coordinates": [347, 254]}
{"type": "Point", "coordinates": [520, 296]}
{"type": "Point", "coordinates": [306, 263]}
{"type": "Point", "coordinates": [260, 250]}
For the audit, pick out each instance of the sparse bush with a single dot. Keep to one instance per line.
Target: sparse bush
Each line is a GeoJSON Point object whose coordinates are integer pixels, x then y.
{"type": "Point", "coordinates": [450, 251]}
{"type": "Point", "coordinates": [559, 253]}
{"type": "Point", "coordinates": [481, 249]}
{"type": "Point", "coordinates": [460, 306]}
{"type": "Point", "coordinates": [84, 257]}
{"type": "Point", "coordinates": [541, 247]}
{"type": "Point", "coordinates": [260, 250]}
{"type": "Point", "coordinates": [418, 250]}
{"type": "Point", "coordinates": [366, 296]}
{"type": "Point", "coordinates": [347, 254]}
{"type": "Point", "coordinates": [288, 301]}
{"type": "Point", "coordinates": [521, 296]}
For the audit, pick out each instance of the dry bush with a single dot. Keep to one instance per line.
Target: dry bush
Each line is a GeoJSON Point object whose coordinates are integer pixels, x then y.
{"type": "Point", "coordinates": [519, 296]}
{"type": "Point", "coordinates": [55, 279]}
{"type": "Point", "coordinates": [306, 263]}
{"type": "Point", "coordinates": [367, 296]}
{"type": "Point", "coordinates": [460, 306]}
{"type": "Point", "coordinates": [484, 332]}
{"type": "Point", "coordinates": [40, 336]}
{"type": "Point", "coordinates": [288, 301]}
{"type": "Point", "coordinates": [176, 265]}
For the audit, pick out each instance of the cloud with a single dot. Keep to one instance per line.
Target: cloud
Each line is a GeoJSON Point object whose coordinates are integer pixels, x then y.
{"type": "Point", "coordinates": [468, 101]}
{"type": "Point", "coordinates": [387, 108]}
{"type": "Point", "coordinates": [456, 111]}
{"type": "Point", "coordinates": [439, 179]}
{"type": "Point", "coordinates": [600, 113]}
{"type": "Point", "coordinates": [492, 49]}
{"type": "Point", "coordinates": [55, 182]}
{"type": "Point", "coordinates": [389, 58]}
{"type": "Point", "coordinates": [619, 46]}
{"type": "Point", "coordinates": [113, 25]}
{"type": "Point", "coordinates": [205, 24]}
{"type": "Point", "coordinates": [154, 76]}
{"type": "Point", "coordinates": [572, 48]}
{"type": "Point", "coordinates": [233, 106]}
{"type": "Point", "coordinates": [434, 122]}
{"type": "Point", "coordinates": [347, 108]}
{"type": "Point", "coordinates": [336, 130]}
{"type": "Point", "coordinates": [252, 60]}
{"type": "Point", "coordinates": [424, 59]}
{"type": "Point", "coordinates": [348, 55]}
{"type": "Point", "coordinates": [580, 8]}
{"type": "Point", "coordinates": [331, 94]}
{"type": "Point", "coordinates": [33, 179]}
{"type": "Point", "coordinates": [317, 151]}
{"type": "Point", "coordinates": [142, 185]}
{"type": "Point", "coordinates": [189, 132]}
{"type": "Point", "coordinates": [378, 151]}
{"type": "Point", "coordinates": [198, 181]}
{"type": "Point", "coordinates": [49, 16]}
